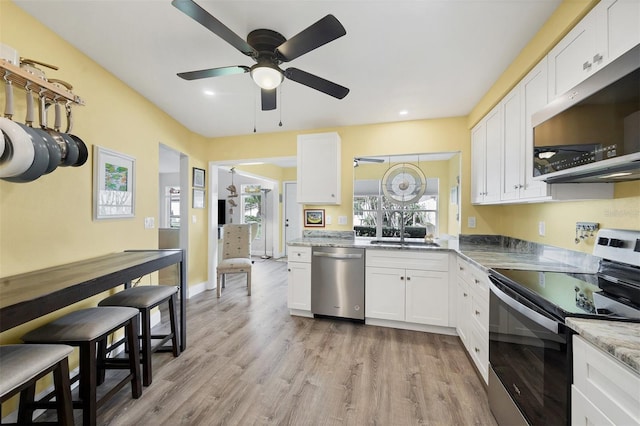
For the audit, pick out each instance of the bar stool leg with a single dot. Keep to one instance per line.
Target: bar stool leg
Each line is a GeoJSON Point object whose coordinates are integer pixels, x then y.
{"type": "Point", "coordinates": [146, 347]}
{"type": "Point", "coordinates": [25, 406]}
{"type": "Point", "coordinates": [173, 319]}
{"type": "Point", "coordinates": [63, 393]}
{"type": "Point", "coordinates": [131, 331]}
{"type": "Point", "coordinates": [87, 387]}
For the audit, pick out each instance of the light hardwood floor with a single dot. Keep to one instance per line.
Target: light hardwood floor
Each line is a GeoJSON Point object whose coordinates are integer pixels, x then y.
{"type": "Point", "coordinates": [249, 362]}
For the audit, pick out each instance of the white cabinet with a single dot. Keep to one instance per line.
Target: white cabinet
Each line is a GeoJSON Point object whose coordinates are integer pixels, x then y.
{"type": "Point", "coordinates": [604, 391]}
{"type": "Point", "coordinates": [319, 168]}
{"type": "Point", "coordinates": [407, 287]}
{"type": "Point", "coordinates": [610, 29]}
{"type": "Point", "coordinates": [527, 97]}
{"type": "Point", "coordinates": [623, 25]}
{"type": "Point", "coordinates": [486, 141]}
{"type": "Point", "coordinates": [473, 313]}
{"type": "Point", "coordinates": [299, 280]}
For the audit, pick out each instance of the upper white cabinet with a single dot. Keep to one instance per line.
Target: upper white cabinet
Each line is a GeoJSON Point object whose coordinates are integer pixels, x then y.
{"type": "Point", "coordinates": [319, 168]}
{"type": "Point", "coordinates": [609, 30]}
{"type": "Point", "coordinates": [486, 140]}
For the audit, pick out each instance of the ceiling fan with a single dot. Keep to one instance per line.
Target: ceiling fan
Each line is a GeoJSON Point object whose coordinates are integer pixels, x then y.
{"type": "Point", "coordinates": [269, 49]}
{"type": "Point", "coordinates": [357, 160]}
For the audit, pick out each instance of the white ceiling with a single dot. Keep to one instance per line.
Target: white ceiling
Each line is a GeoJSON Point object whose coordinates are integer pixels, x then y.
{"type": "Point", "coordinates": [432, 58]}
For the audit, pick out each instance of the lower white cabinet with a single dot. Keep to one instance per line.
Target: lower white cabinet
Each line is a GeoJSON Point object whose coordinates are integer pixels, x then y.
{"type": "Point", "coordinates": [299, 280]}
{"type": "Point", "coordinates": [473, 314]}
{"type": "Point", "coordinates": [604, 391]}
{"type": "Point", "coordinates": [410, 287]}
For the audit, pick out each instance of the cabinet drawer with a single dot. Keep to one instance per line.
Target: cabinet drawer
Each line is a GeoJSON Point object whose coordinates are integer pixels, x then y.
{"type": "Point", "coordinates": [605, 381]}
{"type": "Point", "coordinates": [299, 254]}
{"type": "Point", "coordinates": [583, 412]}
{"type": "Point", "coordinates": [406, 259]}
{"type": "Point", "coordinates": [479, 351]}
{"type": "Point", "coordinates": [463, 269]}
{"type": "Point", "coordinates": [480, 314]}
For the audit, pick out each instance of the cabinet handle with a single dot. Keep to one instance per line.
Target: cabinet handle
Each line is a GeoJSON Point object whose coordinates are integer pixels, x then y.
{"type": "Point", "coordinates": [477, 312]}
{"type": "Point", "coordinates": [465, 294]}
{"type": "Point", "coordinates": [515, 186]}
{"type": "Point", "coordinates": [476, 349]}
{"type": "Point", "coordinates": [475, 280]}
{"type": "Point", "coordinates": [299, 254]}
{"type": "Point", "coordinates": [597, 58]}
{"type": "Point", "coordinates": [289, 270]}
{"type": "Point", "coordinates": [408, 278]}
{"type": "Point", "coordinates": [586, 66]}
{"type": "Point", "coordinates": [461, 268]}
{"type": "Point", "coordinates": [402, 278]}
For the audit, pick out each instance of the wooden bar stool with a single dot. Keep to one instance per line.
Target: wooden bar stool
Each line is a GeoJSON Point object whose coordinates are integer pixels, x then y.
{"type": "Point", "coordinates": [145, 298]}
{"type": "Point", "coordinates": [21, 366]}
{"type": "Point", "coordinates": [85, 328]}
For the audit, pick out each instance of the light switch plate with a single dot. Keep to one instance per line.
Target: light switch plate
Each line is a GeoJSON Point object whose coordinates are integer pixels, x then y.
{"type": "Point", "coordinates": [149, 222]}
{"type": "Point", "coordinates": [471, 221]}
{"type": "Point", "coordinates": [541, 228]}
{"type": "Point", "coordinates": [328, 220]}
{"type": "Point", "coordinates": [342, 220]}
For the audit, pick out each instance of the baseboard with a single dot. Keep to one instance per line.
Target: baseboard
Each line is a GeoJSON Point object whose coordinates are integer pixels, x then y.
{"type": "Point", "coordinates": [192, 290]}
{"type": "Point", "coordinates": [449, 331]}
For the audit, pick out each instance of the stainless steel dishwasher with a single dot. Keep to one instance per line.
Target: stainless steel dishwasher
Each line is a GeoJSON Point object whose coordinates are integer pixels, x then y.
{"type": "Point", "coordinates": [337, 282]}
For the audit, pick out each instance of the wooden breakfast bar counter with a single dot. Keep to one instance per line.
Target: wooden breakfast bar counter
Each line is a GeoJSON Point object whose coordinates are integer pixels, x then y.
{"type": "Point", "coordinates": [25, 297]}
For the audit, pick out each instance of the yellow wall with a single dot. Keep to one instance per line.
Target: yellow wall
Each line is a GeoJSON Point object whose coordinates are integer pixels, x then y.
{"type": "Point", "coordinates": [49, 221]}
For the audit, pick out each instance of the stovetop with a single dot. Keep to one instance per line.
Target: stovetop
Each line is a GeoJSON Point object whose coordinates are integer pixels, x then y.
{"type": "Point", "coordinates": [567, 294]}
{"type": "Point", "coordinates": [612, 293]}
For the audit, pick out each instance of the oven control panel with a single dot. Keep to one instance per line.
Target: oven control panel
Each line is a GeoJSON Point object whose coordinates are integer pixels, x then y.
{"type": "Point", "coordinates": [618, 245]}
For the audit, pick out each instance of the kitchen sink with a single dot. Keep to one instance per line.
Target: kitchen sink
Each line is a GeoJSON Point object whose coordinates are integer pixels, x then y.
{"type": "Point", "coordinates": [404, 243]}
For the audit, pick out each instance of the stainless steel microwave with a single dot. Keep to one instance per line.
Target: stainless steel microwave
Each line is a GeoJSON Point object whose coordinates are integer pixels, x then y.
{"type": "Point", "coordinates": [592, 133]}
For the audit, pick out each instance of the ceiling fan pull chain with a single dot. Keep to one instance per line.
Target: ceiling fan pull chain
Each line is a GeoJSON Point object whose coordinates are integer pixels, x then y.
{"type": "Point", "coordinates": [280, 91]}
{"type": "Point", "coordinates": [255, 101]}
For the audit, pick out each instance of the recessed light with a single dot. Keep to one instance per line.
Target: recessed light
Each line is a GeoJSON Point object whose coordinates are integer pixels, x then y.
{"type": "Point", "coordinates": [209, 92]}
{"type": "Point", "coordinates": [403, 112]}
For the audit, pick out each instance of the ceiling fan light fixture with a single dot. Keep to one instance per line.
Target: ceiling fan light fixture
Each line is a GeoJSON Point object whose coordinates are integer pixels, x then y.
{"type": "Point", "coordinates": [266, 76]}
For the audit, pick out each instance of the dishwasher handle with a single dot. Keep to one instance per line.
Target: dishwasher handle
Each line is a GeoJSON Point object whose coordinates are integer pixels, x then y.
{"type": "Point", "coordinates": [338, 255]}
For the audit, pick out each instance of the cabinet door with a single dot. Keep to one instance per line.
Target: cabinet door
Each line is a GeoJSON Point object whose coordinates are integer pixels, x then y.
{"type": "Point", "coordinates": [534, 97]}
{"type": "Point", "coordinates": [623, 26]}
{"type": "Point", "coordinates": [385, 293]}
{"type": "Point", "coordinates": [464, 308]}
{"type": "Point", "coordinates": [583, 412]}
{"type": "Point", "coordinates": [478, 163]}
{"type": "Point", "coordinates": [427, 297]}
{"type": "Point", "coordinates": [493, 158]}
{"type": "Point", "coordinates": [319, 169]}
{"type": "Point", "coordinates": [299, 282]}
{"type": "Point", "coordinates": [572, 59]}
{"type": "Point", "coordinates": [512, 146]}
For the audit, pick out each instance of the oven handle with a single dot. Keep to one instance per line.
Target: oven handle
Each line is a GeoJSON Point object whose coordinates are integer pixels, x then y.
{"type": "Point", "coordinates": [534, 316]}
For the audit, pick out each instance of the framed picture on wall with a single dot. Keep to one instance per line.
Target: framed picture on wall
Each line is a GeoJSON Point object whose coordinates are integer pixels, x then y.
{"type": "Point", "coordinates": [198, 178]}
{"type": "Point", "coordinates": [198, 198]}
{"type": "Point", "coordinates": [113, 184]}
{"type": "Point", "coordinates": [314, 218]}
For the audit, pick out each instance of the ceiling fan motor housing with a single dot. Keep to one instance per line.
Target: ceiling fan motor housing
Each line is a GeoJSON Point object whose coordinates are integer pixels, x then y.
{"type": "Point", "coordinates": [266, 42]}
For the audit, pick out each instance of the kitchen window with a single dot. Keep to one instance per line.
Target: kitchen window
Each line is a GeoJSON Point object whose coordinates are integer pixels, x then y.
{"type": "Point", "coordinates": [374, 215]}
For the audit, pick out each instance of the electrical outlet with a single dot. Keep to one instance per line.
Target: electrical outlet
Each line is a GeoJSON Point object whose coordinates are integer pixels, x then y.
{"type": "Point", "coordinates": [541, 229]}
{"type": "Point", "coordinates": [328, 220]}
{"type": "Point", "coordinates": [471, 221]}
{"type": "Point", "coordinates": [194, 218]}
{"type": "Point", "coordinates": [342, 220]}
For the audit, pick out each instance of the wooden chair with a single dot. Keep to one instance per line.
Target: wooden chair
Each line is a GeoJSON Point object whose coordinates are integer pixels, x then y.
{"type": "Point", "coordinates": [236, 254]}
{"type": "Point", "coordinates": [21, 366]}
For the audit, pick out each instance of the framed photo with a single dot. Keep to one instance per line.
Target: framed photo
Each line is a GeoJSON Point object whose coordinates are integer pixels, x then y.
{"type": "Point", "coordinates": [114, 178]}
{"type": "Point", "coordinates": [198, 198]}
{"type": "Point", "coordinates": [314, 217]}
{"type": "Point", "coordinates": [198, 178]}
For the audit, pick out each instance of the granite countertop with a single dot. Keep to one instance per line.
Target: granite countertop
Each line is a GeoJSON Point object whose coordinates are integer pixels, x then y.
{"type": "Point", "coordinates": [620, 339]}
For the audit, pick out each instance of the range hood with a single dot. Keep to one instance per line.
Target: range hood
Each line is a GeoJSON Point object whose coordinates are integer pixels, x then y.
{"type": "Point", "coordinates": [592, 133]}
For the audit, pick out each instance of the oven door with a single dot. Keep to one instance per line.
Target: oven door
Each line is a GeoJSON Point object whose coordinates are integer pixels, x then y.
{"type": "Point", "coordinates": [528, 354]}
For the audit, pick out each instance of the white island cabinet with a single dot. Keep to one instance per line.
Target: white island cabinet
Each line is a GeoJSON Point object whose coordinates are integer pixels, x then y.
{"type": "Point", "coordinates": [408, 289]}
{"type": "Point", "coordinates": [319, 169]}
{"type": "Point", "coordinates": [604, 391]}
{"type": "Point", "coordinates": [299, 281]}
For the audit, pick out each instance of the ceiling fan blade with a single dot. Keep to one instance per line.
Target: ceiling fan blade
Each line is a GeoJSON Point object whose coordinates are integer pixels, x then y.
{"type": "Point", "coordinates": [315, 82]}
{"type": "Point", "coordinates": [198, 14]}
{"type": "Point", "coordinates": [213, 72]}
{"type": "Point", "coordinates": [322, 32]}
{"type": "Point", "coordinates": [268, 99]}
{"type": "Point", "coordinates": [370, 159]}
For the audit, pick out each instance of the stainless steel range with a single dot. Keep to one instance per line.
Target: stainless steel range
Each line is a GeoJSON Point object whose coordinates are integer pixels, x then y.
{"type": "Point", "coordinates": [529, 345]}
